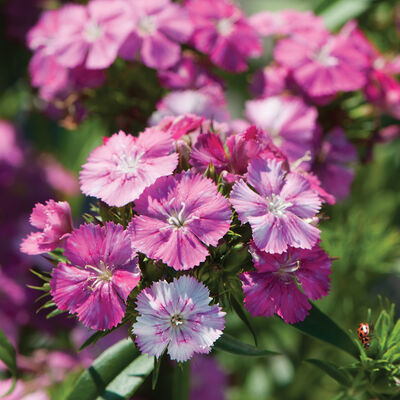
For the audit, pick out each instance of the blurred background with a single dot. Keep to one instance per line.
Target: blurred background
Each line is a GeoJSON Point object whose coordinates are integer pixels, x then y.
{"type": "Point", "coordinates": [41, 152]}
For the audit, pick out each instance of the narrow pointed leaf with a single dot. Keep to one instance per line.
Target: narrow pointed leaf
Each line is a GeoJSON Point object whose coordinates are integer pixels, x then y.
{"type": "Point", "coordinates": [333, 371]}
{"type": "Point", "coordinates": [320, 326]}
{"type": "Point", "coordinates": [181, 383]}
{"type": "Point", "coordinates": [8, 356]}
{"type": "Point", "coordinates": [231, 345]}
{"type": "Point", "coordinates": [382, 328]}
{"type": "Point", "coordinates": [94, 381]}
{"type": "Point", "coordinates": [242, 315]}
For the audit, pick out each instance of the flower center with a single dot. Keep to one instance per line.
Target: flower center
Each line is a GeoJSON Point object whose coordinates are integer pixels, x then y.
{"type": "Point", "coordinates": [146, 25]}
{"type": "Point", "coordinates": [286, 270]}
{"type": "Point", "coordinates": [177, 218]}
{"type": "Point", "coordinates": [277, 205]}
{"type": "Point", "coordinates": [176, 320]}
{"type": "Point", "coordinates": [324, 57]}
{"type": "Point", "coordinates": [93, 31]}
{"type": "Point", "coordinates": [225, 26]}
{"type": "Point", "coordinates": [128, 163]}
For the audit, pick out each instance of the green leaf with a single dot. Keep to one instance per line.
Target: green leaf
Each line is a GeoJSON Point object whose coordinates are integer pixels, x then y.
{"type": "Point", "coordinates": [95, 337]}
{"type": "Point", "coordinates": [320, 326]}
{"type": "Point", "coordinates": [231, 345]}
{"type": "Point", "coordinates": [156, 370]}
{"type": "Point", "coordinates": [340, 11]}
{"type": "Point", "coordinates": [125, 383]}
{"type": "Point", "coordinates": [242, 315]}
{"type": "Point", "coordinates": [54, 313]}
{"type": "Point", "coordinates": [8, 356]}
{"type": "Point", "coordinates": [101, 378]}
{"type": "Point", "coordinates": [332, 370]}
{"type": "Point", "coordinates": [382, 328]}
{"type": "Point", "coordinates": [394, 337]}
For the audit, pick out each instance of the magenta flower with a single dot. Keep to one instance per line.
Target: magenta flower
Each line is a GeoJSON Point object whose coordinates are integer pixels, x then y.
{"type": "Point", "coordinates": [270, 81]}
{"type": "Point", "coordinates": [102, 272]}
{"type": "Point", "coordinates": [222, 31]}
{"type": "Point", "coordinates": [178, 217]}
{"type": "Point", "coordinates": [274, 288]}
{"type": "Point", "coordinates": [177, 315]}
{"type": "Point", "coordinates": [286, 22]}
{"type": "Point", "coordinates": [331, 165]}
{"type": "Point", "coordinates": [208, 102]}
{"type": "Point", "coordinates": [281, 208]}
{"type": "Point", "coordinates": [159, 28]}
{"type": "Point", "coordinates": [118, 171]}
{"type": "Point", "coordinates": [55, 222]}
{"type": "Point", "coordinates": [288, 120]}
{"type": "Point", "coordinates": [92, 34]}
{"type": "Point", "coordinates": [323, 65]}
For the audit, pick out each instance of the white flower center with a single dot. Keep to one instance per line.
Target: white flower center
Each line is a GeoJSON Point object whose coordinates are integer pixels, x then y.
{"type": "Point", "coordinates": [324, 57]}
{"type": "Point", "coordinates": [286, 270]}
{"type": "Point", "coordinates": [93, 31]}
{"type": "Point", "coordinates": [146, 25]}
{"type": "Point", "coordinates": [277, 205]}
{"type": "Point", "coordinates": [104, 274]}
{"type": "Point", "coordinates": [225, 26]}
{"type": "Point", "coordinates": [128, 163]}
{"type": "Point", "coordinates": [176, 320]}
{"type": "Point", "coordinates": [177, 218]}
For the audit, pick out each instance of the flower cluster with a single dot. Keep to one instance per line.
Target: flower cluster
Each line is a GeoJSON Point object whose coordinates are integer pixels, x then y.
{"type": "Point", "coordinates": [175, 199]}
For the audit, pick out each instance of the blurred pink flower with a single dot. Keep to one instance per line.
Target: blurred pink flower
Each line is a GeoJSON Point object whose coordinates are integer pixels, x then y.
{"type": "Point", "coordinates": [286, 22]}
{"type": "Point", "coordinates": [92, 34]}
{"type": "Point", "coordinates": [159, 28]}
{"type": "Point", "coordinates": [10, 152]}
{"type": "Point", "coordinates": [288, 120]}
{"type": "Point", "coordinates": [334, 153]}
{"type": "Point", "coordinates": [223, 32]}
{"type": "Point", "coordinates": [274, 288]}
{"type": "Point", "coordinates": [118, 171]}
{"type": "Point", "coordinates": [323, 64]}
{"type": "Point", "coordinates": [177, 315]}
{"type": "Point", "coordinates": [178, 217]}
{"type": "Point", "coordinates": [55, 222]}
{"type": "Point", "coordinates": [102, 273]}
{"type": "Point", "coordinates": [270, 81]}
{"type": "Point", "coordinates": [281, 208]}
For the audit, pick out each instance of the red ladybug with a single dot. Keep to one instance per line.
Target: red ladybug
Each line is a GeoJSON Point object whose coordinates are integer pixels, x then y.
{"type": "Point", "coordinates": [365, 342]}
{"type": "Point", "coordinates": [363, 330]}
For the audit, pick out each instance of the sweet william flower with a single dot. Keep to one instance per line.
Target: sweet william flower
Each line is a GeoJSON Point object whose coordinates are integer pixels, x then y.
{"type": "Point", "coordinates": [55, 222]}
{"type": "Point", "coordinates": [102, 272]}
{"type": "Point", "coordinates": [222, 31]}
{"type": "Point", "coordinates": [118, 171]}
{"type": "Point", "coordinates": [280, 209]}
{"type": "Point", "coordinates": [177, 316]}
{"type": "Point", "coordinates": [274, 288]}
{"type": "Point", "coordinates": [178, 216]}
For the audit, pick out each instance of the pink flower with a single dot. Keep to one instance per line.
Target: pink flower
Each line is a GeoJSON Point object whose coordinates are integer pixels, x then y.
{"type": "Point", "coordinates": [10, 151]}
{"type": "Point", "coordinates": [92, 34]}
{"type": "Point", "coordinates": [208, 102]}
{"type": "Point", "coordinates": [281, 208]}
{"type": "Point", "coordinates": [55, 222]}
{"type": "Point", "coordinates": [274, 288]}
{"type": "Point", "coordinates": [222, 31]}
{"type": "Point", "coordinates": [288, 120]}
{"type": "Point", "coordinates": [270, 81]}
{"type": "Point", "coordinates": [124, 166]}
{"type": "Point", "coordinates": [102, 272]}
{"type": "Point", "coordinates": [178, 217]}
{"type": "Point", "coordinates": [177, 315]}
{"type": "Point", "coordinates": [323, 65]}
{"type": "Point", "coordinates": [286, 22]}
{"type": "Point", "coordinates": [159, 28]}
{"type": "Point", "coordinates": [334, 154]}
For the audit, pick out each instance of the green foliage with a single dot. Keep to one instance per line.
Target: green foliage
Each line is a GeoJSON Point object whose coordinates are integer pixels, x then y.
{"type": "Point", "coordinates": [114, 375]}
{"type": "Point", "coordinates": [8, 356]}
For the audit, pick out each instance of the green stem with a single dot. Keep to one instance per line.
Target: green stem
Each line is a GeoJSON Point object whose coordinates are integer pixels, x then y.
{"type": "Point", "coordinates": [181, 381]}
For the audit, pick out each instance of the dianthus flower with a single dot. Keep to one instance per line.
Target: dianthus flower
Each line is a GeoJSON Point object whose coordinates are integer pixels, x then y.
{"type": "Point", "coordinates": [334, 153]}
{"type": "Point", "coordinates": [222, 31]}
{"type": "Point", "coordinates": [288, 120]}
{"type": "Point", "coordinates": [323, 64]}
{"type": "Point", "coordinates": [280, 209]}
{"type": "Point", "coordinates": [178, 216]}
{"type": "Point", "coordinates": [159, 28]}
{"type": "Point", "coordinates": [177, 315]}
{"type": "Point", "coordinates": [55, 222]}
{"type": "Point", "coordinates": [118, 171]}
{"type": "Point", "coordinates": [274, 288]}
{"type": "Point", "coordinates": [102, 272]}
{"type": "Point", "coordinates": [92, 34]}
